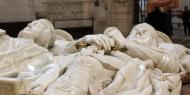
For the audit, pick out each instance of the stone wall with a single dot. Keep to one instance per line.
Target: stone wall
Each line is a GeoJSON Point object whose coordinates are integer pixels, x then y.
{"type": "Point", "coordinates": [40, 5]}
{"type": "Point", "coordinates": [84, 13]}
{"type": "Point", "coordinates": [70, 13]}
{"type": "Point", "coordinates": [16, 11]}
{"type": "Point", "coordinates": [121, 15]}
{"type": "Point", "coordinates": [118, 13]}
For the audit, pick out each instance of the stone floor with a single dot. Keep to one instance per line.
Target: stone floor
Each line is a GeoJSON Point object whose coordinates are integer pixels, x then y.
{"type": "Point", "coordinates": [180, 38]}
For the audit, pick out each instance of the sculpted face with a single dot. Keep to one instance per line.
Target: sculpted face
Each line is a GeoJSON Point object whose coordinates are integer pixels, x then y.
{"type": "Point", "coordinates": [41, 31]}
{"type": "Point", "coordinates": [34, 27]}
{"type": "Point", "coordinates": [143, 34]}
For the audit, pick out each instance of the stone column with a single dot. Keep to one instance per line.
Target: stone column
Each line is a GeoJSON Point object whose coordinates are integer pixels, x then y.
{"type": "Point", "coordinates": [118, 13]}
{"type": "Point", "coordinates": [100, 16]}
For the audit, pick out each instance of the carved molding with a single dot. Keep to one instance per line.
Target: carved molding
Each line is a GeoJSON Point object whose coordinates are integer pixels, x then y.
{"type": "Point", "coordinates": [120, 1]}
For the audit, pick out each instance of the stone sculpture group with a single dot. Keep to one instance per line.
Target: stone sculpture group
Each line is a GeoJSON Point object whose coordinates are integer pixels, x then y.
{"type": "Point", "coordinates": [43, 60]}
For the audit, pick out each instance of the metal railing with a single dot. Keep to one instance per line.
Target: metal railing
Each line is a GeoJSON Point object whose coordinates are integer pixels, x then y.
{"type": "Point", "coordinates": [142, 10]}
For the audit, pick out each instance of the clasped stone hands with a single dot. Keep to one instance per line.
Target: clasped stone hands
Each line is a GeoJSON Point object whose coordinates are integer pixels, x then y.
{"type": "Point", "coordinates": [101, 41]}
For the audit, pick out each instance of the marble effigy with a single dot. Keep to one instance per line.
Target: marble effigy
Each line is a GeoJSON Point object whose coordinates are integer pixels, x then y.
{"type": "Point", "coordinates": [43, 60]}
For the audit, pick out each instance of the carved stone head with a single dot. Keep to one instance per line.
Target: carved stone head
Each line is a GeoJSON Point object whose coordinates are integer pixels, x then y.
{"type": "Point", "coordinates": [41, 31]}
{"type": "Point", "coordinates": [144, 34]}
